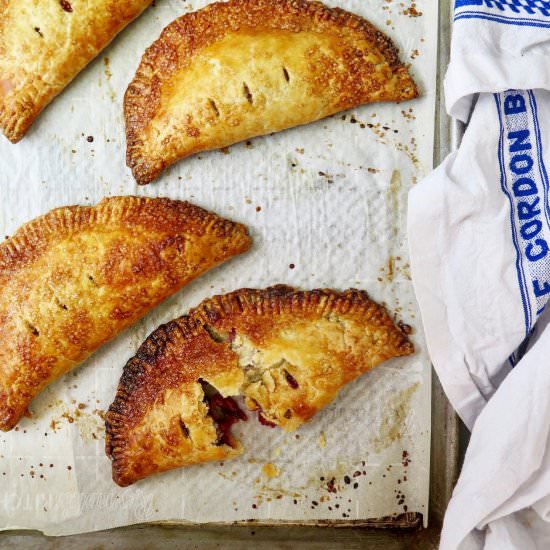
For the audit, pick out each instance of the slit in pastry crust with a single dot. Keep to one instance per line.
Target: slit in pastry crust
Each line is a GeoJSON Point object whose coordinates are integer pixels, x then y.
{"type": "Point", "coordinates": [245, 68]}
{"type": "Point", "coordinates": [73, 279]}
{"type": "Point", "coordinates": [287, 352]}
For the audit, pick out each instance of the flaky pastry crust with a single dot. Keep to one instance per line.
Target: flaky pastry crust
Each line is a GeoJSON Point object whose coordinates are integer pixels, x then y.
{"type": "Point", "coordinates": [287, 352]}
{"type": "Point", "coordinates": [45, 44]}
{"type": "Point", "coordinates": [245, 68]}
{"type": "Point", "coordinates": [73, 279]}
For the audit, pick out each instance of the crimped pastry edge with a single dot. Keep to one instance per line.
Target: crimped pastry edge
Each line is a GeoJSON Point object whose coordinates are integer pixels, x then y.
{"type": "Point", "coordinates": [32, 238]}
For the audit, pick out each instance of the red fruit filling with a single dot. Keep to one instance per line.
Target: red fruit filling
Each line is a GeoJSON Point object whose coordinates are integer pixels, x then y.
{"type": "Point", "coordinates": [224, 411]}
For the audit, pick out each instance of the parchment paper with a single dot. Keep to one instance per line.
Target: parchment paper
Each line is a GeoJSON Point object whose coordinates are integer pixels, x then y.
{"type": "Point", "coordinates": [325, 205]}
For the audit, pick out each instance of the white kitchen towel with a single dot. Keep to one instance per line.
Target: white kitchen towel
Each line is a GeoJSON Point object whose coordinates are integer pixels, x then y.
{"type": "Point", "coordinates": [507, 465]}
{"type": "Point", "coordinates": [497, 45]}
{"type": "Point", "coordinates": [479, 237]}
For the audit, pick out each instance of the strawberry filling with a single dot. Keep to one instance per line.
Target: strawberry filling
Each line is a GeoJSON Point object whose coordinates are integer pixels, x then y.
{"type": "Point", "coordinates": [224, 411]}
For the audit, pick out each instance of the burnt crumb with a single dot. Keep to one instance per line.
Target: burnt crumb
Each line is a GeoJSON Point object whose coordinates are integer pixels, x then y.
{"type": "Point", "coordinates": [254, 506]}
{"type": "Point", "coordinates": [69, 468]}
{"type": "Point", "coordinates": [69, 418]}
{"type": "Point", "coordinates": [355, 485]}
{"type": "Point", "coordinates": [258, 208]}
{"type": "Point", "coordinates": [408, 115]}
{"type": "Point", "coordinates": [406, 459]}
{"type": "Point", "coordinates": [66, 6]}
{"type": "Point", "coordinates": [90, 139]}
{"type": "Point", "coordinates": [331, 485]}
{"type": "Point", "coordinates": [411, 11]}
{"type": "Point", "coordinates": [291, 266]}
{"type": "Point", "coordinates": [295, 501]}
{"type": "Point", "coordinates": [328, 177]}
{"type": "Point", "coordinates": [347, 480]}
{"type": "Point", "coordinates": [37, 30]}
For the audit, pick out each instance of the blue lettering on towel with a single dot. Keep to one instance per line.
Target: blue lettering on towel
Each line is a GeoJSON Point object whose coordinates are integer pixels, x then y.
{"type": "Point", "coordinates": [524, 180]}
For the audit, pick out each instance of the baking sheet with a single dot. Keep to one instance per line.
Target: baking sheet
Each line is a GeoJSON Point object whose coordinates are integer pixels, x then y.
{"type": "Point", "coordinates": [326, 206]}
